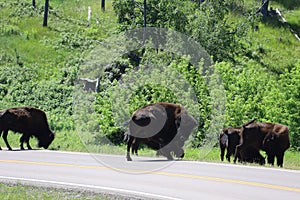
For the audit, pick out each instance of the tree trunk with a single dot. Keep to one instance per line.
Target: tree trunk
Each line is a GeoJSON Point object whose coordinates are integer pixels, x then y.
{"type": "Point", "coordinates": [103, 5]}
{"type": "Point", "coordinates": [33, 3]}
{"type": "Point", "coordinates": [264, 7]}
{"type": "Point", "coordinates": [45, 22]}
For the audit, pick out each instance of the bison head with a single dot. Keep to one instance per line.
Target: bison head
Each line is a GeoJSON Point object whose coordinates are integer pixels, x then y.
{"type": "Point", "coordinates": [185, 122]}
{"type": "Point", "coordinates": [46, 140]}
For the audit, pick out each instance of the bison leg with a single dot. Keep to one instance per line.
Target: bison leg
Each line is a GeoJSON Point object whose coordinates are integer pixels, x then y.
{"type": "Point", "coordinates": [271, 158]}
{"type": "Point", "coordinates": [222, 153]}
{"type": "Point", "coordinates": [158, 153]}
{"type": "Point", "coordinates": [0, 136]}
{"type": "Point", "coordinates": [5, 139]}
{"type": "Point", "coordinates": [135, 147]}
{"type": "Point", "coordinates": [25, 138]}
{"type": "Point", "coordinates": [237, 152]}
{"type": "Point", "coordinates": [22, 140]}
{"type": "Point", "coordinates": [261, 159]}
{"type": "Point", "coordinates": [179, 153]}
{"type": "Point", "coordinates": [229, 153]}
{"type": "Point", "coordinates": [129, 143]}
{"type": "Point", "coordinates": [258, 158]}
{"type": "Point", "coordinates": [169, 156]}
{"type": "Point", "coordinates": [279, 157]}
{"type": "Point", "coordinates": [164, 152]}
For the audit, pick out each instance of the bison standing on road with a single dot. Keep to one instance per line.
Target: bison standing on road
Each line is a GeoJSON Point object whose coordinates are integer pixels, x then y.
{"type": "Point", "coordinates": [161, 126]}
{"type": "Point", "coordinates": [229, 138]}
{"type": "Point", "coordinates": [29, 121]}
{"type": "Point", "coordinates": [270, 137]}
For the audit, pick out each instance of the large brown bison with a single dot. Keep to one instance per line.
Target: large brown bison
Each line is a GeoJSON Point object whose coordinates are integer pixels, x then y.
{"type": "Point", "coordinates": [161, 126]}
{"type": "Point", "coordinates": [270, 137]}
{"type": "Point", "coordinates": [28, 121]}
{"type": "Point", "coordinates": [229, 138]}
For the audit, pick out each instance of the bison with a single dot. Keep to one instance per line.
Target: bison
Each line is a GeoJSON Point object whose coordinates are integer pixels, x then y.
{"type": "Point", "coordinates": [28, 121]}
{"type": "Point", "coordinates": [269, 137]}
{"type": "Point", "coordinates": [229, 138]}
{"type": "Point", "coordinates": [160, 126]}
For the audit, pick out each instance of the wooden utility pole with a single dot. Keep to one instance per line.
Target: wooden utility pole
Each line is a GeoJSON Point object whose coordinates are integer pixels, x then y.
{"type": "Point", "coordinates": [264, 7]}
{"type": "Point", "coordinates": [103, 5]}
{"type": "Point", "coordinates": [145, 13]}
{"type": "Point", "coordinates": [45, 22]}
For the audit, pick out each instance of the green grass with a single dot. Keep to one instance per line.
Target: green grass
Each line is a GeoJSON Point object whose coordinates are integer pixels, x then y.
{"type": "Point", "coordinates": [293, 19]}
{"type": "Point", "coordinates": [291, 159]}
{"type": "Point", "coordinates": [32, 41]}
{"type": "Point", "coordinates": [12, 191]}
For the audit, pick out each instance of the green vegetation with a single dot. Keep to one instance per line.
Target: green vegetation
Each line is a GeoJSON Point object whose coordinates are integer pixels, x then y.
{"type": "Point", "coordinates": [20, 191]}
{"type": "Point", "coordinates": [257, 59]}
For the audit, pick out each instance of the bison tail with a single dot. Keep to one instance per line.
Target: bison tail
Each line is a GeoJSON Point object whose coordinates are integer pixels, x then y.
{"type": "Point", "coordinates": [126, 136]}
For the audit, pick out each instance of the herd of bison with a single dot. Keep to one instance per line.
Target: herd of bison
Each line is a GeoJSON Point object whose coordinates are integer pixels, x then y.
{"type": "Point", "coordinates": [164, 127]}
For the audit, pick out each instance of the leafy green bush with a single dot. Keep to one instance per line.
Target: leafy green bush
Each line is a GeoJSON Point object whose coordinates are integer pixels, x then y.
{"type": "Point", "coordinates": [39, 66]}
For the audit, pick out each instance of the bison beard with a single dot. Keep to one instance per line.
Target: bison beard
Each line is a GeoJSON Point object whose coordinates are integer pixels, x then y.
{"type": "Point", "coordinates": [161, 126]}
{"type": "Point", "coordinates": [28, 121]}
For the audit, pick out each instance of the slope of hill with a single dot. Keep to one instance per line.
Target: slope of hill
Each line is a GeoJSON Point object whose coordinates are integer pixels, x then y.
{"type": "Point", "coordinates": [39, 65]}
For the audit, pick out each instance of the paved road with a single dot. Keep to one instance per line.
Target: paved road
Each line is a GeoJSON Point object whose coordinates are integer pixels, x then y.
{"type": "Point", "coordinates": [150, 177]}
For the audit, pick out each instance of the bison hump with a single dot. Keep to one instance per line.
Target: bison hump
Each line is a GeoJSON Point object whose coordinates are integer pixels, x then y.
{"type": "Point", "coordinates": [141, 120]}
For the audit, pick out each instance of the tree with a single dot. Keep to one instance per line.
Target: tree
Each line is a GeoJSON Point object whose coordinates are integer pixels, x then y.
{"type": "Point", "coordinates": [155, 13]}
{"type": "Point", "coordinates": [33, 3]}
{"type": "Point", "coordinates": [103, 5]}
{"type": "Point", "coordinates": [264, 8]}
{"type": "Point", "coordinates": [45, 22]}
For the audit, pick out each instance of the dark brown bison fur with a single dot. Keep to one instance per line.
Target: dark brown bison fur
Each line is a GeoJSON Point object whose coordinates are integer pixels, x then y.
{"type": "Point", "coordinates": [28, 121]}
{"type": "Point", "coordinates": [270, 137]}
{"type": "Point", "coordinates": [163, 127]}
{"type": "Point", "coordinates": [178, 152]}
{"type": "Point", "coordinates": [229, 138]}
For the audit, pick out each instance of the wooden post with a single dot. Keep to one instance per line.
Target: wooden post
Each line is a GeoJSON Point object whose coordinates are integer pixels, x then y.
{"type": "Point", "coordinates": [45, 22]}
{"type": "Point", "coordinates": [264, 8]}
{"type": "Point", "coordinates": [145, 13]}
{"type": "Point", "coordinates": [103, 5]}
{"type": "Point", "coordinates": [89, 15]}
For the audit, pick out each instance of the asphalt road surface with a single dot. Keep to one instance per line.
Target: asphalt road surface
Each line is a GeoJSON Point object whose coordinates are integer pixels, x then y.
{"type": "Point", "coordinates": [153, 178]}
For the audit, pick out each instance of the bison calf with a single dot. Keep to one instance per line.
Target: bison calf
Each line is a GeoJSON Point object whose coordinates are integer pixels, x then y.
{"type": "Point", "coordinates": [28, 121]}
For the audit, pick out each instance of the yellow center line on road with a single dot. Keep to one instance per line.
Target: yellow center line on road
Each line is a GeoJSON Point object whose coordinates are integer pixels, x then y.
{"type": "Point", "coordinates": [53, 164]}
{"type": "Point", "coordinates": [265, 185]}
{"type": "Point", "coordinates": [250, 183]}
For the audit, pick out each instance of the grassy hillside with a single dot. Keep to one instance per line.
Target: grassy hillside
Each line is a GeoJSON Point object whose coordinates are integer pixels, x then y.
{"type": "Point", "coordinates": [39, 66]}
{"type": "Point", "coordinates": [47, 59]}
